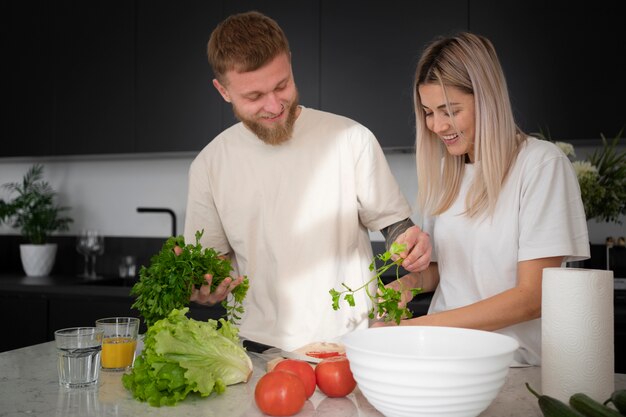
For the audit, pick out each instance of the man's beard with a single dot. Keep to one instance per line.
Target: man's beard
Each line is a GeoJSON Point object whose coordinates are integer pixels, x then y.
{"type": "Point", "coordinates": [276, 135]}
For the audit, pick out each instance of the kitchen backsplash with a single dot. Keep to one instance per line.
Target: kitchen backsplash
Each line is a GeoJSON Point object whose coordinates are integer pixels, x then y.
{"type": "Point", "coordinates": [104, 193]}
{"type": "Point", "coordinates": [69, 262]}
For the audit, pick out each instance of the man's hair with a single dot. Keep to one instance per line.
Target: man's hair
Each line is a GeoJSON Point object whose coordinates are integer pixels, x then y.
{"type": "Point", "coordinates": [245, 42]}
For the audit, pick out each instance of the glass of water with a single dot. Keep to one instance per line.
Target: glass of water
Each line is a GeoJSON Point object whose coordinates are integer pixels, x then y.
{"type": "Point", "coordinates": [78, 353]}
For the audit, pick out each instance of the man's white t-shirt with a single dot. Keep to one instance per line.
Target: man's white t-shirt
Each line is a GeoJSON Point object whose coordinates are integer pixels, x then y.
{"type": "Point", "coordinates": [539, 214]}
{"type": "Point", "coordinates": [294, 217]}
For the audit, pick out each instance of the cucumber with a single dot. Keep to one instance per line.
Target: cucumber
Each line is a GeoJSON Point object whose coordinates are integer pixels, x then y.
{"type": "Point", "coordinates": [590, 407]}
{"type": "Point", "coordinates": [618, 398]}
{"type": "Point", "coordinates": [551, 407]}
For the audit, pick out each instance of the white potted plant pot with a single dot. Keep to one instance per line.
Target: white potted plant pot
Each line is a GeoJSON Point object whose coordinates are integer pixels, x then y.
{"type": "Point", "coordinates": [38, 260]}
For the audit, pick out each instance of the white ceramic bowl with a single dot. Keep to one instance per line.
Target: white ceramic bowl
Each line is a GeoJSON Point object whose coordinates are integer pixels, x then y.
{"type": "Point", "coordinates": [415, 371]}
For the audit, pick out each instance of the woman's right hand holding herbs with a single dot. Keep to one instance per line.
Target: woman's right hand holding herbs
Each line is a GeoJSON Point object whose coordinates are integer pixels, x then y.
{"type": "Point", "coordinates": [405, 285]}
{"type": "Point", "coordinates": [416, 255]}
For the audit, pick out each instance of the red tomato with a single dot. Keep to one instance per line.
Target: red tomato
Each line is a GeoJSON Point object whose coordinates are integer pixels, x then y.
{"type": "Point", "coordinates": [334, 376]}
{"type": "Point", "coordinates": [303, 370]}
{"type": "Point", "coordinates": [279, 393]}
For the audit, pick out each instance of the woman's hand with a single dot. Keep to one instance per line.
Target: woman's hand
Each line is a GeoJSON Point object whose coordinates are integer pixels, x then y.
{"type": "Point", "coordinates": [203, 295]}
{"type": "Point", "coordinates": [404, 286]}
{"type": "Point", "coordinates": [418, 249]}
{"type": "Point", "coordinates": [382, 323]}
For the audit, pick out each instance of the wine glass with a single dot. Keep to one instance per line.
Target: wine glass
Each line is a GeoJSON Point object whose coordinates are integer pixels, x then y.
{"type": "Point", "coordinates": [95, 247]}
{"type": "Point", "coordinates": [90, 243]}
{"type": "Point", "coordinates": [82, 248]}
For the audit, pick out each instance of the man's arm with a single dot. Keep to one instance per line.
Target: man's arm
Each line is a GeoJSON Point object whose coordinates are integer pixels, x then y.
{"type": "Point", "coordinates": [392, 232]}
{"type": "Point", "coordinates": [419, 248]}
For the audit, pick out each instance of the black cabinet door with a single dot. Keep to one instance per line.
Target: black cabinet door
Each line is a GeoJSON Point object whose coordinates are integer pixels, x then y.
{"type": "Point", "coordinates": [300, 22]}
{"type": "Point", "coordinates": [26, 322]}
{"type": "Point", "coordinates": [72, 312]}
{"type": "Point", "coordinates": [564, 63]}
{"type": "Point", "coordinates": [94, 69]}
{"type": "Point", "coordinates": [27, 88]}
{"type": "Point", "coordinates": [177, 109]}
{"type": "Point", "coordinates": [368, 57]}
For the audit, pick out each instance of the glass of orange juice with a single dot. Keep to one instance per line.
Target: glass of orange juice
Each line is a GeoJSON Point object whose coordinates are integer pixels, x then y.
{"type": "Point", "coordinates": [119, 342]}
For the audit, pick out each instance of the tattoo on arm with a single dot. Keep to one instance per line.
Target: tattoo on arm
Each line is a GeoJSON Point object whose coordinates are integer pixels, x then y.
{"type": "Point", "coordinates": [392, 232]}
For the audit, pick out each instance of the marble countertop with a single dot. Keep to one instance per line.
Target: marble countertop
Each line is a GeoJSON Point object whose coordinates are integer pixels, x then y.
{"type": "Point", "coordinates": [29, 387]}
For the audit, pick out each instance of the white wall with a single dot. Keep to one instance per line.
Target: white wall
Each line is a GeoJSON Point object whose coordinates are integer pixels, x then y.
{"type": "Point", "coordinates": [104, 193]}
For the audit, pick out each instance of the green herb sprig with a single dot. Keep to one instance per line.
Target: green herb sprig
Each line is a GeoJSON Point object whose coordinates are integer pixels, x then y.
{"type": "Point", "coordinates": [386, 300]}
{"type": "Point", "coordinates": [167, 283]}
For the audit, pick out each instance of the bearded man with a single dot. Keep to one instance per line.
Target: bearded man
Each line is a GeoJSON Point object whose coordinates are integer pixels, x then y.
{"type": "Point", "coordinates": [289, 194]}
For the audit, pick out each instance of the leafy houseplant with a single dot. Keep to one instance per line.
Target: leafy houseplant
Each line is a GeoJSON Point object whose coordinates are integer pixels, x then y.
{"type": "Point", "coordinates": [602, 179]}
{"type": "Point", "coordinates": [35, 213]}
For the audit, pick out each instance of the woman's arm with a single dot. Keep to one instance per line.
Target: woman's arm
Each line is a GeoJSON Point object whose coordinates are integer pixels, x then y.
{"type": "Point", "coordinates": [517, 305]}
{"type": "Point", "coordinates": [427, 280]}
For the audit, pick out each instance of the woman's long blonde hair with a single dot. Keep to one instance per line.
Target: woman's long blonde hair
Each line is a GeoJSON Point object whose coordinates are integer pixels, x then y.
{"type": "Point", "coordinates": [469, 63]}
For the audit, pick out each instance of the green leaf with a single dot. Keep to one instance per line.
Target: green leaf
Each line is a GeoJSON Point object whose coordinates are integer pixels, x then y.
{"type": "Point", "coordinates": [602, 180]}
{"type": "Point", "coordinates": [167, 283]}
{"type": "Point", "coordinates": [33, 210]}
{"type": "Point", "coordinates": [349, 299]}
{"type": "Point", "coordinates": [386, 300]}
{"type": "Point", "coordinates": [182, 355]}
{"type": "Point", "coordinates": [335, 297]}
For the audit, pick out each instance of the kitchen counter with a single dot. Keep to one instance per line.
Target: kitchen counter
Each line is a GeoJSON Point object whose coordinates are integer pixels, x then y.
{"type": "Point", "coordinates": [66, 285]}
{"type": "Point", "coordinates": [28, 386]}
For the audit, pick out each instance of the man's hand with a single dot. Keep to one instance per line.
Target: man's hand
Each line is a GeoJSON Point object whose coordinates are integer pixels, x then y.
{"type": "Point", "coordinates": [203, 295]}
{"type": "Point", "coordinates": [418, 249]}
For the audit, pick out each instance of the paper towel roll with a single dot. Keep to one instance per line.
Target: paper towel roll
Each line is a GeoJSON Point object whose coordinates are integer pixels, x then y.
{"type": "Point", "coordinates": [577, 333]}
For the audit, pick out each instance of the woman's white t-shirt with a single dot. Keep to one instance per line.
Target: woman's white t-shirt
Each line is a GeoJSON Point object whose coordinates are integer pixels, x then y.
{"type": "Point", "coordinates": [539, 214]}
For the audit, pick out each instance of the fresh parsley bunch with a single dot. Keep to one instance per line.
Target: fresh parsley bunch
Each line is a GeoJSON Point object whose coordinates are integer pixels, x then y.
{"type": "Point", "coordinates": [385, 301]}
{"type": "Point", "coordinates": [167, 283]}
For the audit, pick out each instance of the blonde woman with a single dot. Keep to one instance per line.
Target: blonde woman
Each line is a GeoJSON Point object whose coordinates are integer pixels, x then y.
{"type": "Point", "coordinates": [500, 206]}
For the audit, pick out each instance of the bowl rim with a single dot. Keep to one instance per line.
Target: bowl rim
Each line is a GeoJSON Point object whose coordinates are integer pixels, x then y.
{"type": "Point", "coordinates": [510, 346]}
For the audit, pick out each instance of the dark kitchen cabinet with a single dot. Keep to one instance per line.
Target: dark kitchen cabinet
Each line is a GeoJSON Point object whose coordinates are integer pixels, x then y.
{"type": "Point", "coordinates": [84, 311]}
{"type": "Point", "coordinates": [94, 70]}
{"type": "Point", "coordinates": [70, 83]}
{"type": "Point", "coordinates": [368, 58]}
{"type": "Point", "coordinates": [564, 63]}
{"type": "Point", "coordinates": [47, 304]}
{"type": "Point", "coordinates": [177, 107]}
{"type": "Point", "coordinates": [27, 88]}
{"type": "Point", "coordinates": [132, 76]}
{"type": "Point", "coordinates": [25, 320]}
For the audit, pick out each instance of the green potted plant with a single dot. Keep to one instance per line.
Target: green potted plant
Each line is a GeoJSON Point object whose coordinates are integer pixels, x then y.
{"type": "Point", "coordinates": [602, 179]}
{"type": "Point", "coordinates": [33, 211]}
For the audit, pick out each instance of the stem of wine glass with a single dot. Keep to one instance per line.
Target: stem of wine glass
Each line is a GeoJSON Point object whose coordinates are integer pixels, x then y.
{"type": "Point", "coordinates": [86, 269]}
{"type": "Point", "coordinates": [93, 267]}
